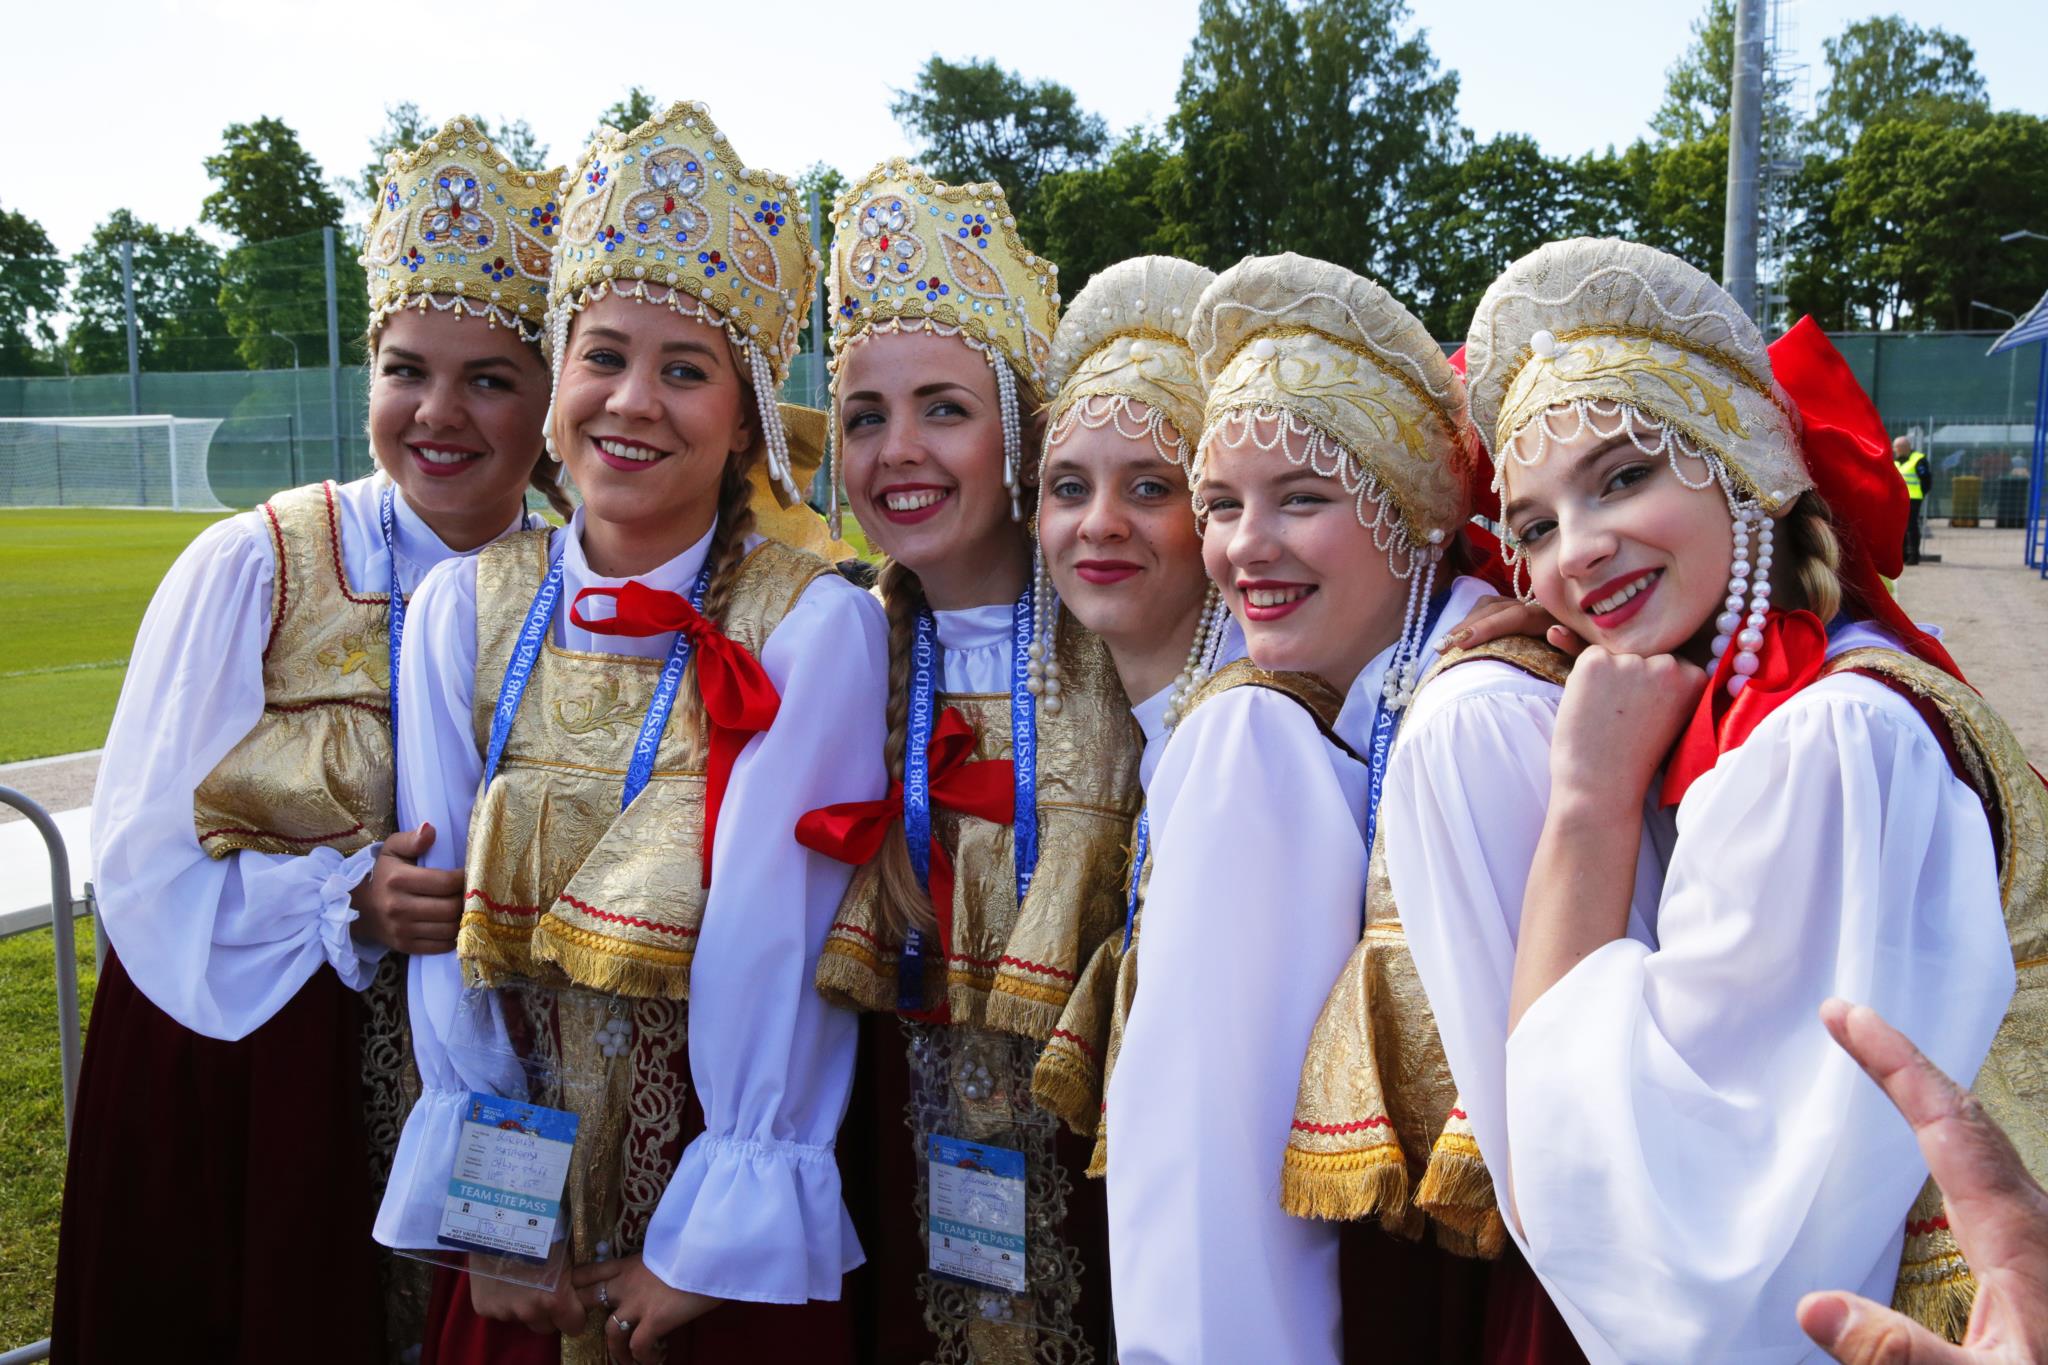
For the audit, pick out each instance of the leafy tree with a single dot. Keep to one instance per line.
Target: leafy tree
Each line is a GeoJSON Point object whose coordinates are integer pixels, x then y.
{"type": "Point", "coordinates": [828, 184]}
{"type": "Point", "coordinates": [31, 293]}
{"type": "Point", "coordinates": [270, 194]}
{"type": "Point", "coordinates": [976, 121]}
{"type": "Point", "coordinates": [1094, 217]}
{"type": "Point", "coordinates": [1698, 86]}
{"type": "Point", "coordinates": [1884, 67]}
{"type": "Point", "coordinates": [629, 112]}
{"type": "Point", "coordinates": [178, 321]}
{"type": "Point", "coordinates": [1302, 128]}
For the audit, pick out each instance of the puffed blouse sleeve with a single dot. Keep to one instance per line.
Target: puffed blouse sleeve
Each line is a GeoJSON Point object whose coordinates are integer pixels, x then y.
{"type": "Point", "coordinates": [1255, 901]}
{"type": "Point", "coordinates": [754, 1211]}
{"type": "Point", "coordinates": [437, 785]}
{"type": "Point", "coordinates": [1690, 1151]}
{"type": "Point", "coordinates": [219, 944]}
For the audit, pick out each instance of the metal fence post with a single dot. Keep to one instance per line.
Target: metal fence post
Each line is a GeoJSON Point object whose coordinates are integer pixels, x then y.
{"type": "Point", "coordinates": [134, 347]}
{"type": "Point", "coordinates": [333, 353]}
{"type": "Point", "coordinates": [64, 941]}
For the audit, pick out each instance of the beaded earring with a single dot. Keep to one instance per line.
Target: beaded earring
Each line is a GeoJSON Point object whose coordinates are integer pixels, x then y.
{"type": "Point", "coordinates": [1042, 674]}
{"type": "Point", "coordinates": [1013, 433]}
{"type": "Point", "coordinates": [1404, 670]}
{"type": "Point", "coordinates": [1201, 656]}
{"type": "Point", "coordinates": [1747, 633]}
{"type": "Point", "coordinates": [773, 434]}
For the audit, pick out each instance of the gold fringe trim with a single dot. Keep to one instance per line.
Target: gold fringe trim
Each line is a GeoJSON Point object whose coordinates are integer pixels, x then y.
{"type": "Point", "coordinates": [1342, 1186]}
{"type": "Point", "coordinates": [1010, 1009]}
{"type": "Point", "coordinates": [1098, 1160]}
{"type": "Point", "coordinates": [1066, 1085]}
{"type": "Point", "coordinates": [602, 963]}
{"type": "Point", "coordinates": [493, 950]}
{"type": "Point", "coordinates": [1936, 1290]}
{"type": "Point", "coordinates": [1456, 1181]}
{"type": "Point", "coordinates": [849, 976]}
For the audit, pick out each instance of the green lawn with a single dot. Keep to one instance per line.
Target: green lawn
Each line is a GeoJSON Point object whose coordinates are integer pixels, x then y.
{"type": "Point", "coordinates": [31, 1129]}
{"type": "Point", "coordinates": [75, 581]}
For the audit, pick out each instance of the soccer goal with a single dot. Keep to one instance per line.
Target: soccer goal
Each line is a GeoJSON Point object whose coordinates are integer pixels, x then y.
{"type": "Point", "coordinates": [156, 461]}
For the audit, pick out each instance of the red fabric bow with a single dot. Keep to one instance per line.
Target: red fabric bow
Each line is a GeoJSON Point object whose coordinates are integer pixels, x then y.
{"type": "Point", "coordinates": [739, 699]}
{"type": "Point", "coordinates": [1849, 455]}
{"type": "Point", "coordinates": [1794, 651]}
{"type": "Point", "coordinates": [853, 831]}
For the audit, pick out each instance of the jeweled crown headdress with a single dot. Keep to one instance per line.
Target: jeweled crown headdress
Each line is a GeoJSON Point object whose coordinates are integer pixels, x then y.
{"type": "Point", "coordinates": [459, 228]}
{"type": "Point", "coordinates": [1351, 385]}
{"type": "Point", "coordinates": [910, 253]}
{"type": "Point", "coordinates": [668, 213]}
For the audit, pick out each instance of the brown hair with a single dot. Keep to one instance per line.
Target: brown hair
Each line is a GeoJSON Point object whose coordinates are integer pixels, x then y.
{"type": "Point", "coordinates": [735, 523]}
{"type": "Point", "coordinates": [1807, 574]}
{"type": "Point", "coordinates": [905, 903]}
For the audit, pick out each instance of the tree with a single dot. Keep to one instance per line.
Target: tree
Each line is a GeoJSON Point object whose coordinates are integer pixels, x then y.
{"type": "Point", "coordinates": [976, 121]}
{"type": "Point", "coordinates": [1921, 207]}
{"type": "Point", "coordinates": [630, 112]}
{"type": "Point", "coordinates": [1699, 86]}
{"type": "Point", "coordinates": [828, 184]}
{"type": "Point", "coordinates": [1094, 217]}
{"type": "Point", "coordinates": [178, 321]}
{"type": "Point", "coordinates": [1302, 128]}
{"type": "Point", "coordinates": [270, 194]}
{"type": "Point", "coordinates": [31, 294]}
{"type": "Point", "coordinates": [1886, 67]}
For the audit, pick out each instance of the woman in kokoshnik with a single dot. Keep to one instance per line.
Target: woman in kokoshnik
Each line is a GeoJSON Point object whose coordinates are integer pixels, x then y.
{"type": "Point", "coordinates": [1120, 546]}
{"type": "Point", "coordinates": [620, 722]}
{"type": "Point", "coordinates": [1329, 476]}
{"type": "Point", "coordinates": [1678, 1147]}
{"type": "Point", "coordinates": [246, 1068]}
{"type": "Point", "coordinates": [995, 866]}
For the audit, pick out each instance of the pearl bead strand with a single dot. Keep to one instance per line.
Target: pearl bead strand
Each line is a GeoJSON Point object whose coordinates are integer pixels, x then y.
{"type": "Point", "coordinates": [1746, 632]}
{"type": "Point", "coordinates": [1207, 629]}
{"type": "Point", "coordinates": [1042, 673]}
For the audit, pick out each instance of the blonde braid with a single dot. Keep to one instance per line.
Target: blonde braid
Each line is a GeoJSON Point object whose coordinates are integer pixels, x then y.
{"type": "Point", "coordinates": [905, 904]}
{"type": "Point", "coordinates": [1813, 560]}
{"type": "Point", "coordinates": [728, 549]}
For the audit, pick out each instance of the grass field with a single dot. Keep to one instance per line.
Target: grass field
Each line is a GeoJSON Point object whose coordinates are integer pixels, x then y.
{"type": "Point", "coordinates": [31, 1129]}
{"type": "Point", "coordinates": [75, 581]}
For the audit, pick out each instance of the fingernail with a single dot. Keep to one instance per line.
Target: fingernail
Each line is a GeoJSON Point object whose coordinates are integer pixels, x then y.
{"type": "Point", "coordinates": [1454, 639]}
{"type": "Point", "coordinates": [1828, 1320]}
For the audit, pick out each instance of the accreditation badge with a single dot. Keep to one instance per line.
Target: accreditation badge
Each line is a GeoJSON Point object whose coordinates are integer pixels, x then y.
{"type": "Point", "coordinates": [976, 1213]}
{"type": "Point", "coordinates": [511, 1164]}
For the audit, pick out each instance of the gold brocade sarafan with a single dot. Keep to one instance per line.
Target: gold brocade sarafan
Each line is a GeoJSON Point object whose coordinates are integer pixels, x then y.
{"type": "Point", "coordinates": [583, 916]}
{"type": "Point", "coordinates": [1067, 1081]}
{"type": "Point", "coordinates": [1378, 1130]}
{"type": "Point", "coordinates": [1935, 1285]}
{"type": "Point", "coordinates": [316, 771]}
{"type": "Point", "coordinates": [1009, 969]}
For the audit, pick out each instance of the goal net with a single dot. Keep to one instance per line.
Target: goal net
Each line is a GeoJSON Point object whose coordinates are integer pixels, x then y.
{"type": "Point", "coordinates": [155, 461]}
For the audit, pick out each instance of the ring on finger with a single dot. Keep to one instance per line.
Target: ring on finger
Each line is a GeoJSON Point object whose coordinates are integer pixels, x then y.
{"type": "Point", "coordinates": [622, 1324]}
{"type": "Point", "coordinates": [604, 1295]}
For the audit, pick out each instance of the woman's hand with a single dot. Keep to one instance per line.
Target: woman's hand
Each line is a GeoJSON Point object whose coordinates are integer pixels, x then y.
{"type": "Point", "coordinates": [1620, 715]}
{"type": "Point", "coordinates": [642, 1310]}
{"type": "Point", "coordinates": [1494, 617]}
{"type": "Point", "coordinates": [538, 1310]}
{"type": "Point", "coordinates": [405, 907]}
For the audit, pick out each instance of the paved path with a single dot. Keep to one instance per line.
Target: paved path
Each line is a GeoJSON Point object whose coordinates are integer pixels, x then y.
{"type": "Point", "coordinates": [1993, 611]}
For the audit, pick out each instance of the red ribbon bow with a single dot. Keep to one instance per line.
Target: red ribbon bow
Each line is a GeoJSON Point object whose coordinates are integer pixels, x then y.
{"type": "Point", "coordinates": [853, 831]}
{"type": "Point", "coordinates": [739, 699]}
{"type": "Point", "coordinates": [1794, 651]}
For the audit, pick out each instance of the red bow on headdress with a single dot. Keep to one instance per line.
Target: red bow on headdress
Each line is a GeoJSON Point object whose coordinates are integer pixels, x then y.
{"type": "Point", "coordinates": [1477, 476]}
{"type": "Point", "coordinates": [739, 699]}
{"type": "Point", "coordinates": [1848, 455]}
{"type": "Point", "coordinates": [852, 831]}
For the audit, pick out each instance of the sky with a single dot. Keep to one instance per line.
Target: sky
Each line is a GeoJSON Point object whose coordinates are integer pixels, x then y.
{"type": "Point", "coordinates": [172, 74]}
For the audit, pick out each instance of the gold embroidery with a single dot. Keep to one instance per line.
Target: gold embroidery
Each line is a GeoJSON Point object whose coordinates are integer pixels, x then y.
{"type": "Point", "coordinates": [1630, 359]}
{"type": "Point", "coordinates": [601, 710]}
{"type": "Point", "coordinates": [360, 653]}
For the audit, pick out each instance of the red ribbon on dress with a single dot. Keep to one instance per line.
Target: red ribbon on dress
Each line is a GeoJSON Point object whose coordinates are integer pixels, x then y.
{"type": "Point", "coordinates": [1476, 473]}
{"type": "Point", "coordinates": [1794, 651]}
{"type": "Point", "coordinates": [739, 699]}
{"type": "Point", "coordinates": [853, 831]}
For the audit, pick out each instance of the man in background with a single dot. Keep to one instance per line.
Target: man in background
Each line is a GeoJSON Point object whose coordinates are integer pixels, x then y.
{"type": "Point", "coordinates": [1908, 462]}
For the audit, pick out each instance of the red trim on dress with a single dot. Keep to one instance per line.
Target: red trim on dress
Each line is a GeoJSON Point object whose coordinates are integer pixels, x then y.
{"type": "Point", "coordinates": [1338, 1129]}
{"type": "Point", "coordinates": [680, 931]}
{"type": "Point", "coordinates": [1077, 1040]}
{"type": "Point", "coordinates": [1038, 967]}
{"type": "Point", "coordinates": [284, 582]}
{"type": "Point", "coordinates": [497, 909]}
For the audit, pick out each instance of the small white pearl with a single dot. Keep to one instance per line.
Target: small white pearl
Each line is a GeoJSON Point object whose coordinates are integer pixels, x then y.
{"type": "Point", "coordinates": [1745, 664]}
{"type": "Point", "coordinates": [1750, 639]}
{"type": "Point", "coordinates": [1543, 342]}
{"type": "Point", "coordinates": [1264, 348]}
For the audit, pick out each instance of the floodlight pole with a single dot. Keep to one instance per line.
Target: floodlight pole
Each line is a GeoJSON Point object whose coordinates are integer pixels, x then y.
{"type": "Point", "coordinates": [1745, 148]}
{"type": "Point", "coordinates": [333, 352]}
{"type": "Point", "coordinates": [134, 347]}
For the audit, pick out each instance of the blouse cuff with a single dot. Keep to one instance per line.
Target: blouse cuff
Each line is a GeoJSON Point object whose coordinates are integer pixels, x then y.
{"type": "Point", "coordinates": [355, 963]}
{"type": "Point", "coordinates": [751, 1220]}
{"type": "Point", "coordinates": [410, 1216]}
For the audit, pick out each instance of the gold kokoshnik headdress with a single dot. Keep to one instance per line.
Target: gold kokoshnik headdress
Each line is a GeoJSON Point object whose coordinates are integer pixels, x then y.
{"type": "Point", "coordinates": [1612, 336]}
{"type": "Point", "coordinates": [669, 214]}
{"type": "Point", "coordinates": [1350, 384]}
{"type": "Point", "coordinates": [459, 228]}
{"type": "Point", "coordinates": [910, 253]}
{"type": "Point", "coordinates": [1121, 359]}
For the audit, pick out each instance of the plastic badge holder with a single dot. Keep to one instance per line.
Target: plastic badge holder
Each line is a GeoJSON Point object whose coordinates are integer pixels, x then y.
{"type": "Point", "coordinates": [503, 1205]}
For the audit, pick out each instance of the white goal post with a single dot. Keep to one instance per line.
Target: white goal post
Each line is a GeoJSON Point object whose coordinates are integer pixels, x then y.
{"type": "Point", "coordinates": [153, 461]}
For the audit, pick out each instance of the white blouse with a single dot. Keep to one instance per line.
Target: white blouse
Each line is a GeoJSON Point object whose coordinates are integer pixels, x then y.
{"type": "Point", "coordinates": [1151, 712]}
{"type": "Point", "coordinates": [222, 944]}
{"type": "Point", "coordinates": [1688, 1151]}
{"type": "Point", "coordinates": [754, 1211]}
{"type": "Point", "coordinates": [1256, 901]}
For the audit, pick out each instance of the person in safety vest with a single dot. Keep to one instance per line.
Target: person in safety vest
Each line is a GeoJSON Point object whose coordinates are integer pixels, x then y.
{"type": "Point", "coordinates": [1908, 461]}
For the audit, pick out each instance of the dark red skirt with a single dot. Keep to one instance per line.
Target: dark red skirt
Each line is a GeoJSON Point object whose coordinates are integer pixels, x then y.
{"type": "Point", "coordinates": [217, 1200]}
{"type": "Point", "coordinates": [1413, 1303]}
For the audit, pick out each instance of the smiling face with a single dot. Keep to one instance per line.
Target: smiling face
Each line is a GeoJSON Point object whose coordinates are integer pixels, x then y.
{"type": "Point", "coordinates": [455, 419]}
{"type": "Point", "coordinates": [1618, 548]}
{"type": "Point", "coordinates": [1296, 568]}
{"type": "Point", "coordinates": [922, 452]}
{"type": "Point", "coordinates": [650, 409]}
{"type": "Point", "coordinates": [1120, 539]}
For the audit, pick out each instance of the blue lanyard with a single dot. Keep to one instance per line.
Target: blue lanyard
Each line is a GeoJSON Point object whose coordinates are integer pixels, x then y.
{"type": "Point", "coordinates": [1386, 722]}
{"type": "Point", "coordinates": [394, 617]}
{"type": "Point", "coordinates": [1137, 870]}
{"type": "Point", "coordinates": [526, 652]}
{"type": "Point", "coordinates": [917, 794]}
